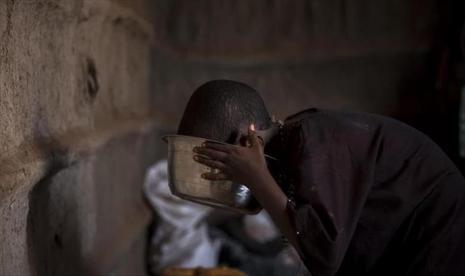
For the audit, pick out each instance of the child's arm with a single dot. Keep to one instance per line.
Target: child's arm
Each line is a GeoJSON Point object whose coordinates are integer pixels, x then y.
{"type": "Point", "coordinates": [247, 165]}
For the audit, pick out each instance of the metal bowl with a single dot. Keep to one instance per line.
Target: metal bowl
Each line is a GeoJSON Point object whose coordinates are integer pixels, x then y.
{"type": "Point", "coordinates": [185, 180]}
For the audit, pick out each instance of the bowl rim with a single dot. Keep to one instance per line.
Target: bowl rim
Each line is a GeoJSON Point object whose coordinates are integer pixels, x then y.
{"type": "Point", "coordinates": [165, 139]}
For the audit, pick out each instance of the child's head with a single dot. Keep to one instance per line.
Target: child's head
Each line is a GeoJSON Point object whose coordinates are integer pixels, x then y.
{"type": "Point", "coordinates": [222, 110]}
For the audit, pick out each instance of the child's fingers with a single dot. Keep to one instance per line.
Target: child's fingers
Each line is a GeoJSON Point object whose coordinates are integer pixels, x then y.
{"type": "Point", "coordinates": [215, 176]}
{"type": "Point", "coordinates": [209, 162]}
{"type": "Point", "coordinates": [219, 147]}
{"type": "Point", "coordinates": [211, 153]}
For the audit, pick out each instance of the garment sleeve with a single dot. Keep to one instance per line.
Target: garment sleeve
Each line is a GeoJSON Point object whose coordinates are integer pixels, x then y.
{"type": "Point", "coordinates": [333, 169]}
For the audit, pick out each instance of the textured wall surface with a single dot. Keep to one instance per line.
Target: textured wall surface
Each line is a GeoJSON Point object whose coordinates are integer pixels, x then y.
{"type": "Point", "coordinates": [82, 80]}
{"type": "Point", "coordinates": [339, 54]}
{"type": "Point", "coordinates": [76, 136]}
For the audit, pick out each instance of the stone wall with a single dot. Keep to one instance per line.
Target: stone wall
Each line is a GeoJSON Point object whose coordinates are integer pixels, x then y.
{"type": "Point", "coordinates": [76, 136]}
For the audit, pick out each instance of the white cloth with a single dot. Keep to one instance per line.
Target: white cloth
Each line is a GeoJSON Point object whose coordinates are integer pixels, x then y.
{"type": "Point", "coordinates": [180, 238]}
{"type": "Point", "coordinates": [261, 227]}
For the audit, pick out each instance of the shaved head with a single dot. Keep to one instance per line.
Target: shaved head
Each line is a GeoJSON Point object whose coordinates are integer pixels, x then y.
{"type": "Point", "coordinates": [219, 109]}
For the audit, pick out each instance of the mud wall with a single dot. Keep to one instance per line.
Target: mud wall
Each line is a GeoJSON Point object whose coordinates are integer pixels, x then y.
{"type": "Point", "coordinates": [76, 136]}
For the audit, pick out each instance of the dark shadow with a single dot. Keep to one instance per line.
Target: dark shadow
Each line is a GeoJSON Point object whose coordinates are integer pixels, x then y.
{"type": "Point", "coordinates": [53, 230]}
{"type": "Point", "coordinates": [429, 98]}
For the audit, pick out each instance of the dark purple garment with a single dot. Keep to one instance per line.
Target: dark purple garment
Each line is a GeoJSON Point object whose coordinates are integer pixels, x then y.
{"type": "Point", "coordinates": [370, 196]}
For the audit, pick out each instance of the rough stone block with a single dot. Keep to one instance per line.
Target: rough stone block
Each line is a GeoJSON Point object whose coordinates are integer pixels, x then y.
{"type": "Point", "coordinates": [76, 136]}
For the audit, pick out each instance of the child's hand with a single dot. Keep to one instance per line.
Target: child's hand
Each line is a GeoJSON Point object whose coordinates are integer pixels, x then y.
{"type": "Point", "coordinates": [242, 164]}
{"type": "Point", "coordinates": [246, 165]}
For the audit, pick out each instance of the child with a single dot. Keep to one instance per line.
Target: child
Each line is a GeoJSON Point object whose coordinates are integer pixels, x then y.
{"type": "Point", "coordinates": [356, 194]}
